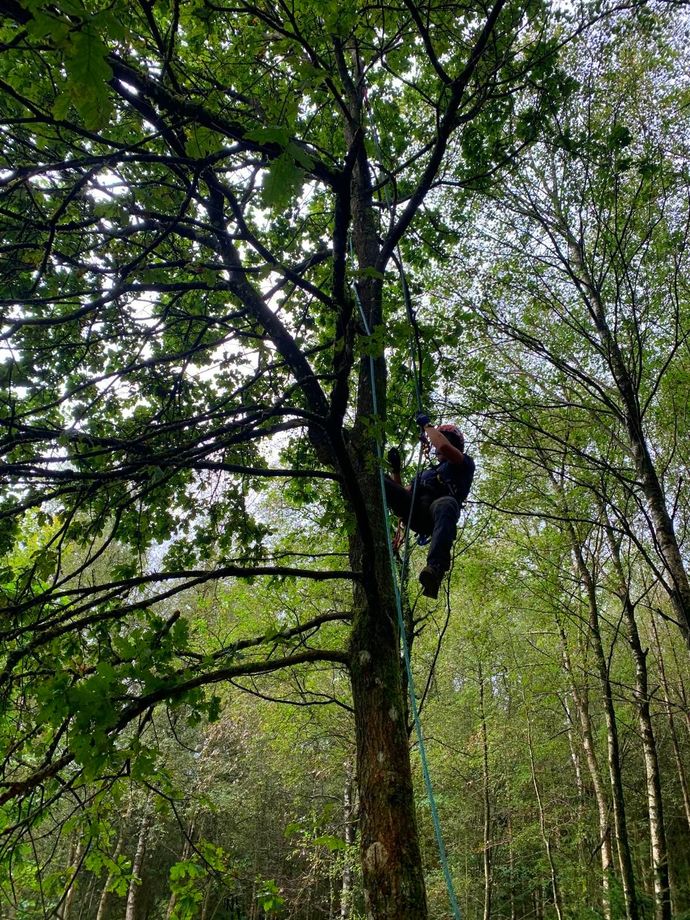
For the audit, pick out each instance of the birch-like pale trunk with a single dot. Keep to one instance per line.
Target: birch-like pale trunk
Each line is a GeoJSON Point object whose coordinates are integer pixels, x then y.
{"type": "Point", "coordinates": [663, 530]}
{"type": "Point", "coordinates": [581, 701]}
{"type": "Point", "coordinates": [486, 798]}
{"type": "Point", "coordinates": [75, 860]}
{"type": "Point", "coordinates": [614, 759]}
{"type": "Point", "coordinates": [673, 733]}
{"type": "Point", "coordinates": [555, 885]}
{"type": "Point", "coordinates": [511, 868]}
{"type": "Point", "coordinates": [101, 912]}
{"type": "Point", "coordinates": [138, 861]}
{"type": "Point", "coordinates": [349, 812]}
{"type": "Point", "coordinates": [655, 808]}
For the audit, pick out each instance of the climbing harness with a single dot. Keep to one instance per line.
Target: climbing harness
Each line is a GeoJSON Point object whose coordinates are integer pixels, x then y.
{"type": "Point", "coordinates": [402, 528]}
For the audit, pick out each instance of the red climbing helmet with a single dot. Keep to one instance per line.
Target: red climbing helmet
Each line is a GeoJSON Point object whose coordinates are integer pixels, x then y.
{"type": "Point", "coordinates": [454, 435]}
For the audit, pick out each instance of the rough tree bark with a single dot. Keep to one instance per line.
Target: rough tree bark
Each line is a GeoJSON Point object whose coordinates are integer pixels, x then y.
{"type": "Point", "coordinates": [391, 861]}
{"type": "Point", "coordinates": [392, 874]}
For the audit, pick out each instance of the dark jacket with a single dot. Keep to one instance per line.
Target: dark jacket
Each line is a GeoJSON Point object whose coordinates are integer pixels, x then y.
{"type": "Point", "coordinates": [447, 478]}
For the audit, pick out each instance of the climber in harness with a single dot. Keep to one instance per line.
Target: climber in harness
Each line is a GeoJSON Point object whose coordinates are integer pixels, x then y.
{"type": "Point", "coordinates": [438, 497]}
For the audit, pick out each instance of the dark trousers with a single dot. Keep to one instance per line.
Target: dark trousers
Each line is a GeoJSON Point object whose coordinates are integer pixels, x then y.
{"type": "Point", "coordinates": [433, 515]}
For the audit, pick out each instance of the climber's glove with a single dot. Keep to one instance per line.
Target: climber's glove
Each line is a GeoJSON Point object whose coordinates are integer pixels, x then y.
{"type": "Point", "coordinates": [394, 459]}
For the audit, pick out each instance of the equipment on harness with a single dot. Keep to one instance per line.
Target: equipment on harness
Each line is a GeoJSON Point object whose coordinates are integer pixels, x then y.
{"type": "Point", "coordinates": [421, 539]}
{"type": "Point", "coordinates": [441, 482]}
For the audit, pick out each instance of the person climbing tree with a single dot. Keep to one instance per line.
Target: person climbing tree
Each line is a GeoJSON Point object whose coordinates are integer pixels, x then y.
{"type": "Point", "coordinates": [432, 507]}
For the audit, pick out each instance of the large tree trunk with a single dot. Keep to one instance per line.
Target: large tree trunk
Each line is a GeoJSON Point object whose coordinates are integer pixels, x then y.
{"type": "Point", "coordinates": [657, 830]}
{"type": "Point", "coordinates": [392, 874]}
{"type": "Point", "coordinates": [391, 860]}
{"type": "Point", "coordinates": [582, 707]}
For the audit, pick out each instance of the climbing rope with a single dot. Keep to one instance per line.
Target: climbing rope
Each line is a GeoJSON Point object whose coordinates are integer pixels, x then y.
{"type": "Point", "coordinates": [398, 581]}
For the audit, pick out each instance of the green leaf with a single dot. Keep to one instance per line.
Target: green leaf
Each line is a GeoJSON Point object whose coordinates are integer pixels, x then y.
{"type": "Point", "coordinates": [88, 75]}
{"type": "Point", "coordinates": [300, 156]}
{"type": "Point", "coordinates": [619, 137]}
{"type": "Point", "coordinates": [269, 134]}
{"type": "Point", "coordinates": [331, 842]}
{"type": "Point", "coordinates": [202, 141]}
{"type": "Point", "coordinates": [281, 182]}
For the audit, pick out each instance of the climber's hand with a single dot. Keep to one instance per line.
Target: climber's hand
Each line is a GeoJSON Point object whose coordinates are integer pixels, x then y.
{"type": "Point", "coordinates": [394, 459]}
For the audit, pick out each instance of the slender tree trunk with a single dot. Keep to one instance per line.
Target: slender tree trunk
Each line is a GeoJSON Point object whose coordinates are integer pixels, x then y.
{"type": "Point", "coordinates": [614, 760]}
{"type": "Point", "coordinates": [582, 836]}
{"type": "Point", "coordinates": [511, 867]}
{"type": "Point", "coordinates": [86, 910]}
{"type": "Point", "coordinates": [206, 904]}
{"type": "Point", "coordinates": [575, 758]}
{"type": "Point", "coordinates": [138, 861]}
{"type": "Point", "coordinates": [486, 798]}
{"type": "Point", "coordinates": [538, 904]}
{"type": "Point", "coordinates": [663, 530]}
{"type": "Point", "coordinates": [349, 824]}
{"type": "Point", "coordinates": [582, 706]}
{"type": "Point", "coordinates": [186, 853]}
{"type": "Point", "coordinates": [682, 689]}
{"type": "Point", "coordinates": [668, 705]}
{"type": "Point", "coordinates": [655, 809]}
{"type": "Point", "coordinates": [105, 893]}
{"type": "Point", "coordinates": [555, 886]}
{"type": "Point", "coordinates": [75, 858]}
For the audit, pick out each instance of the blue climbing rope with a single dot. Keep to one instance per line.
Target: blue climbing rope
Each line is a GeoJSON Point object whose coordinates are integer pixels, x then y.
{"type": "Point", "coordinates": [398, 581]}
